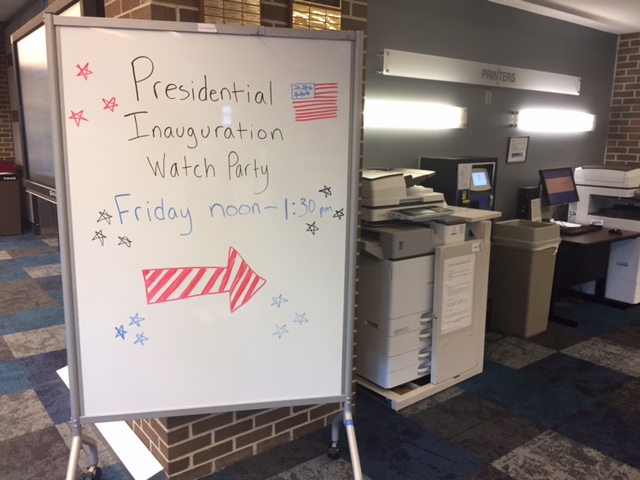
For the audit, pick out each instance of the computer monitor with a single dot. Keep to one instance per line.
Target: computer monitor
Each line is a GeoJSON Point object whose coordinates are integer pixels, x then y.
{"type": "Point", "coordinates": [558, 186]}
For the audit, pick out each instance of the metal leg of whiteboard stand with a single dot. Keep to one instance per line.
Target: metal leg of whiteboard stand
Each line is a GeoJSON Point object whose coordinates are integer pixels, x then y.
{"type": "Point", "coordinates": [334, 451]}
{"type": "Point", "coordinates": [93, 472]}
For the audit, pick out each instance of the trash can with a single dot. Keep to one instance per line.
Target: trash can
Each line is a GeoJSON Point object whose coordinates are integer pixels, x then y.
{"type": "Point", "coordinates": [523, 258]}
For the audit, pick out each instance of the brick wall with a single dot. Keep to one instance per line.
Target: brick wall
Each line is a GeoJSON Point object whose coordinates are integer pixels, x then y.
{"type": "Point", "coordinates": [190, 447]}
{"type": "Point", "coordinates": [7, 152]}
{"type": "Point", "coordinates": [623, 143]}
{"type": "Point", "coordinates": [173, 10]}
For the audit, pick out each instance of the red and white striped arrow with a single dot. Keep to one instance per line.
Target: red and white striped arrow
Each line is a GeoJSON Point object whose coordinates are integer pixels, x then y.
{"type": "Point", "coordinates": [237, 279]}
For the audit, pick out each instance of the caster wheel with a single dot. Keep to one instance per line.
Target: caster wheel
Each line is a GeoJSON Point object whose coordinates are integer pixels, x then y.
{"type": "Point", "coordinates": [334, 451]}
{"type": "Point", "coordinates": [92, 473]}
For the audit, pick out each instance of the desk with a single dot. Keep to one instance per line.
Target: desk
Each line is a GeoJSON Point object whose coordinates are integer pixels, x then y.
{"type": "Point", "coordinates": [583, 258]}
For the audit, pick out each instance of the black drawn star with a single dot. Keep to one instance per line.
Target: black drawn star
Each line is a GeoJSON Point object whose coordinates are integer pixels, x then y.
{"type": "Point", "coordinates": [339, 214]}
{"type": "Point", "coordinates": [311, 227]}
{"type": "Point", "coordinates": [104, 216]}
{"type": "Point", "coordinates": [136, 319]}
{"type": "Point", "coordinates": [124, 241]}
{"type": "Point", "coordinates": [121, 332]}
{"type": "Point", "coordinates": [278, 301]}
{"type": "Point", "coordinates": [301, 318]}
{"type": "Point", "coordinates": [326, 190]}
{"type": "Point", "coordinates": [99, 236]}
{"type": "Point", "coordinates": [281, 330]}
{"type": "Point", "coordinates": [140, 338]}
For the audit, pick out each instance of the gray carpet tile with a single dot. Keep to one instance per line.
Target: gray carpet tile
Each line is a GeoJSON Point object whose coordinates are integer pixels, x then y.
{"type": "Point", "coordinates": [608, 354]}
{"type": "Point", "coordinates": [32, 342]}
{"type": "Point", "coordinates": [24, 412]}
{"type": "Point", "coordinates": [319, 467]}
{"type": "Point", "coordinates": [41, 271]}
{"type": "Point", "coordinates": [17, 296]}
{"type": "Point", "coordinates": [40, 454]}
{"type": "Point", "coordinates": [516, 352]}
{"type": "Point", "coordinates": [551, 456]}
{"type": "Point", "coordinates": [5, 351]}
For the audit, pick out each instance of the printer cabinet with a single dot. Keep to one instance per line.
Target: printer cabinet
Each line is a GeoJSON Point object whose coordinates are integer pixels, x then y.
{"type": "Point", "coordinates": [623, 274]}
{"type": "Point", "coordinates": [394, 319]}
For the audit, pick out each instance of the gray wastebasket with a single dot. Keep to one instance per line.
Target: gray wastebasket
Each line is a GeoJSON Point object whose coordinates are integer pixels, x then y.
{"type": "Point", "coordinates": [523, 258]}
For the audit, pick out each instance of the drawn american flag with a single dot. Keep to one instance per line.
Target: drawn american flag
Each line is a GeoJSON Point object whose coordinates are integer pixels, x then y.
{"type": "Point", "coordinates": [314, 101]}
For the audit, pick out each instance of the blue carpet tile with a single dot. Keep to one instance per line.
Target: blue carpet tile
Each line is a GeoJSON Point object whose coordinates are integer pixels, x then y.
{"type": "Point", "coordinates": [564, 404]}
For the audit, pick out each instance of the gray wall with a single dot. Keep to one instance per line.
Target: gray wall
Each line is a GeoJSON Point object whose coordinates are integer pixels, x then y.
{"type": "Point", "coordinates": [481, 31]}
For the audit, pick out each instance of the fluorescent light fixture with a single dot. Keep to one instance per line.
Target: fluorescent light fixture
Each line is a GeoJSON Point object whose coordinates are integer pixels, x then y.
{"type": "Point", "coordinates": [412, 115]}
{"type": "Point", "coordinates": [554, 120]}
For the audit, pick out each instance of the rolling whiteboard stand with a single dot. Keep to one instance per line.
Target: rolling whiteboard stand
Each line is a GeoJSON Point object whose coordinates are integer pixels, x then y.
{"type": "Point", "coordinates": [207, 195]}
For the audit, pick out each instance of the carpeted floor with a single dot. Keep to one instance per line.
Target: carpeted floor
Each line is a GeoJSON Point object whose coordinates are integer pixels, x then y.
{"type": "Point", "coordinates": [562, 405]}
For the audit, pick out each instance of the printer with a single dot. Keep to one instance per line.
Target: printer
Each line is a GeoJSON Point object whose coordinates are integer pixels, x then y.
{"type": "Point", "coordinates": [386, 191]}
{"type": "Point", "coordinates": [611, 194]}
{"type": "Point", "coordinates": [394, 322]}
{"type": "Point", "coordinates": [422, 290]}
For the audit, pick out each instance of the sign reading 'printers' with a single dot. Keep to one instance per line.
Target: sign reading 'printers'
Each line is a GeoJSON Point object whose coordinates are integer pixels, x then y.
{"type": "Point", "coordinates": [430, 67]}
{"type": "Point", "coordinates": [209, 203]}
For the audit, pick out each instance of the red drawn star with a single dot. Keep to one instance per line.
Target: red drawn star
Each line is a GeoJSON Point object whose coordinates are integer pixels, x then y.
{"type": "Point", "coordinates": [110, 104]}
{"type": "Point", "coordinates": [83, 71]}
{"type": "Point", "coordinates": [78, 117]}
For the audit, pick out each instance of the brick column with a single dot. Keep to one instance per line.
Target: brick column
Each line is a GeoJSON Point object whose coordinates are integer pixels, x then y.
{"type": "Point", "coordinates": [623, 143]}
{"type": "Point", "coordinates": [7, 152]}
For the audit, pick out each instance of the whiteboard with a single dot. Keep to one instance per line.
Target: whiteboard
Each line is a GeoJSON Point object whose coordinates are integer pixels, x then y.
{"type": "Point", "coordinates": [210, 200]}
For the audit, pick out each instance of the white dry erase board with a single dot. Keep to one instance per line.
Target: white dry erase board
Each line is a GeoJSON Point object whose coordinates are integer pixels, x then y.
{"type": "Point", "coordinates": [210, 191]}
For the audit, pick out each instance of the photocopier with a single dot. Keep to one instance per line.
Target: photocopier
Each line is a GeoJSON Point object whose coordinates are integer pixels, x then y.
{"type": "Point", "coordinates": [422, 287]}
{"type": "Point", "coordinates": [611, 194]}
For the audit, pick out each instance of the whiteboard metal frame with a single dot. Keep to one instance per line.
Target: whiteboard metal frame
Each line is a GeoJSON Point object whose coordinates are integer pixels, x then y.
{"type": "Point", "coordinates": [66, 247]}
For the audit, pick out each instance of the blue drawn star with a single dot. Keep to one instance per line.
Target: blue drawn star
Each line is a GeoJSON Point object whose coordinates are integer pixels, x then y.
{"type": "Point", "coordinates": [140, 338]}
{"type": "Point", "coordinates": [124, 241]}
{"type": "Point", "coordinates": [311, 227]}
{"type": "Point", "coordinates": [136, 319]}
{"type": "Point", "coordinates": [326, 190]}
{"type": "Point", "coordinates": [99, 236]}
{"type": "Point", "coordinates": [278, 301]}
{"type": "Point", "coordinates": [105, 216]}
{"type": "Point", "coordinates": [339, 214]}
{"type": "Point", "coordinates": [121, 332]}
{"type": "Point", "coordinates": [281, 330]}
{"type": "Point", "coordinates": [300, 318]}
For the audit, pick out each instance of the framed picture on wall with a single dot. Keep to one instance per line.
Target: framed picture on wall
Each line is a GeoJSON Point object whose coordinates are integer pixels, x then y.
{"type": "Point", "coordinates": [517, 149]}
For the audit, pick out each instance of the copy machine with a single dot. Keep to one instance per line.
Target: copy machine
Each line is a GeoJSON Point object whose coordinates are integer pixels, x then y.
{"type": "Point", "coordinates": [422, 289]}
{"type": "Point", "coordinates": [386, 191]}
{"type": "Point", "coordinates": [611, 194]}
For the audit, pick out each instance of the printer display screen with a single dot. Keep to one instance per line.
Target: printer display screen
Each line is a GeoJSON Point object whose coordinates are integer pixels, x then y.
{"type": "Point", "coordinates": [480, 180]}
